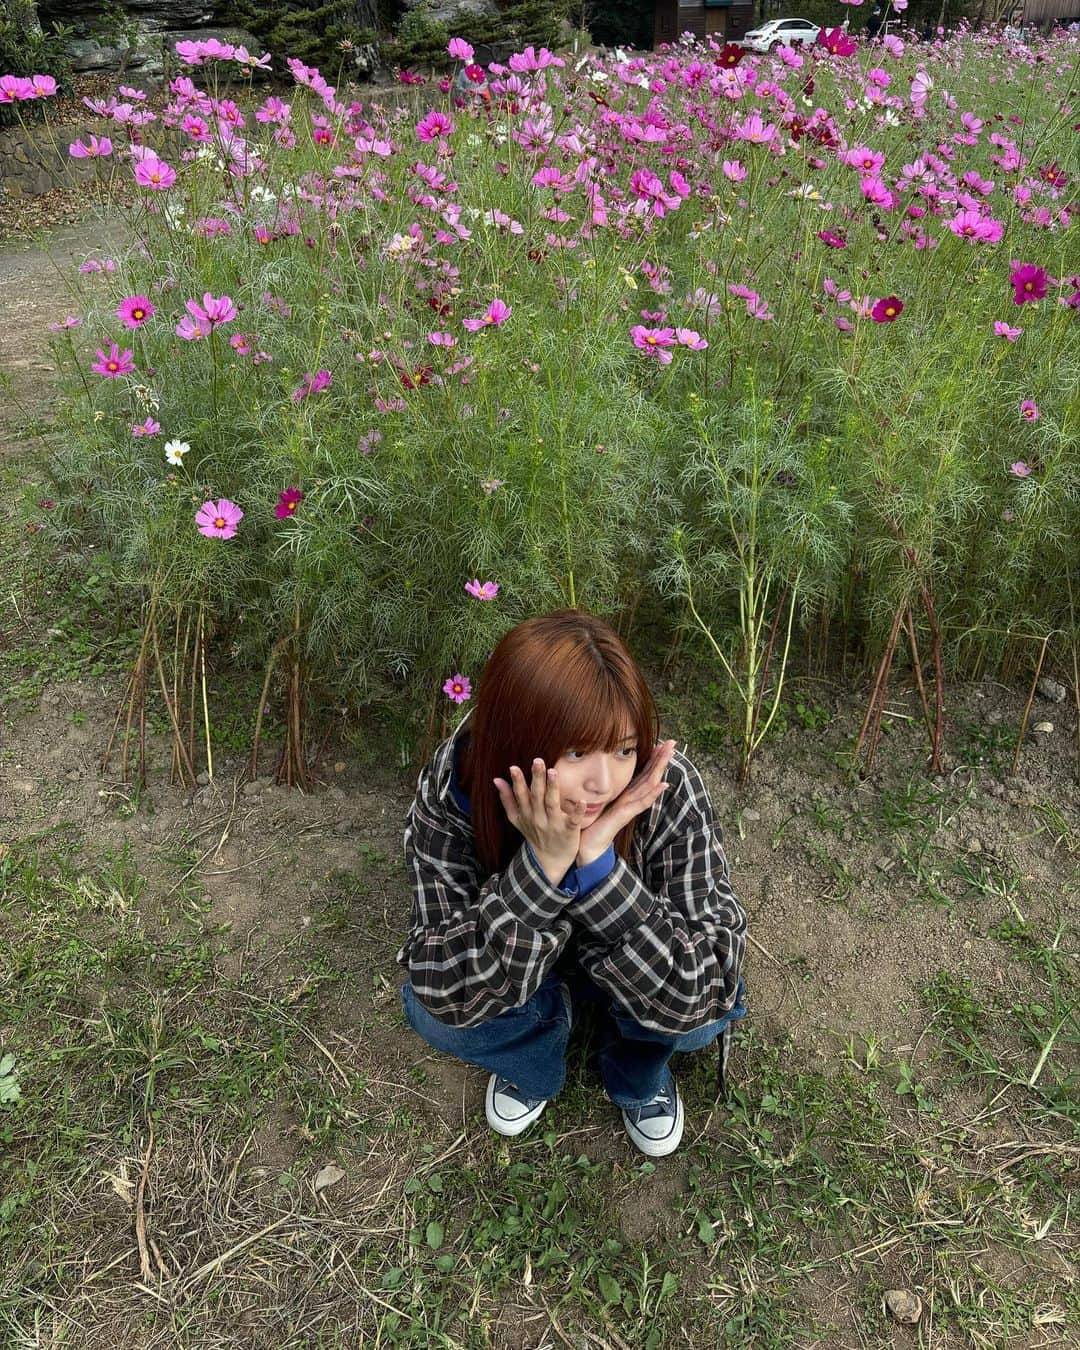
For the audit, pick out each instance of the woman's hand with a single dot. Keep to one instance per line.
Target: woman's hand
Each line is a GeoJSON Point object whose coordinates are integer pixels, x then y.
{"type": "Point", "coordinates": [537, 812]}
{"type": "Point", "coordinates": [635, 798]}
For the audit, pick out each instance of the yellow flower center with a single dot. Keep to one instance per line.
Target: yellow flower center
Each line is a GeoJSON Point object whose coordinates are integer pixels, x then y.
{"type": "Point", "coordinates": [219, 523]}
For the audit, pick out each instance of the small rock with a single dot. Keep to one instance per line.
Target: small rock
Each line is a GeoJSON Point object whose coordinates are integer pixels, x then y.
{"type": "Point", "coordinates": [329, 1175]}
{"type": "Point", "coordinates": [253, 788]}
{"type": "Point", "coordinates": [1044, 727]}
{"type": "Point", "coordinates": [1050, 689]}
{"type": "Point", "coordinates": [339, 766]}
{"type": "Point", "coordinates": [974, 846]}
{"type": "Point", "coordinates": [883, 863]}
{"type": "Point", "coordinates": [904, 1305]}
{"type": "Point", "coordinates": [72, 775]}
{"type": "Point", "coordinates": [750, 814]}
{"type": "Point", "coordinates": [993, 718]}
{"type": "Point", "coordinates": [202, 778]}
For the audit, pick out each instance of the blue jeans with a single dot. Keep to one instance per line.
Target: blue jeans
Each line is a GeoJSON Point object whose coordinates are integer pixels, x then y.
{"type": "Point", "coordinates": [527, 1045]}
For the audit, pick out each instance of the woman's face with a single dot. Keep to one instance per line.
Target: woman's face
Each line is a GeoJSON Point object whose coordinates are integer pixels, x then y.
{"type": "Point", "coordinates": [594, 778]}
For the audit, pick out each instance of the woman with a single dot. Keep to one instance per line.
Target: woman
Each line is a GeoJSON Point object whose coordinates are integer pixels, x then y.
{"type": "Point", "coordinates": [563, 859]}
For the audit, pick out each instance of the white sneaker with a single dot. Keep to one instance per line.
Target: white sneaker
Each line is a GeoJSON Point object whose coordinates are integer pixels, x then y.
{"type": "Point", "coordinates": [507, 1111]}
{"type": "Point", "coordinates": [656, 1128]}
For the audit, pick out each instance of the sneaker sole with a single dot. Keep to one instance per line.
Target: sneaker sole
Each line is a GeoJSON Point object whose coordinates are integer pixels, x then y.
{"type": "Point", "coordinates": [657, 1148]}
{"type": "Point", "coordinates": [508, 1128]}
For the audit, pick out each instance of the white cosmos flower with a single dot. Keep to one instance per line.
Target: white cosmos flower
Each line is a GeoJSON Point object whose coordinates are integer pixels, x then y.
{"type": "Point", "coordinates": [175, 452]}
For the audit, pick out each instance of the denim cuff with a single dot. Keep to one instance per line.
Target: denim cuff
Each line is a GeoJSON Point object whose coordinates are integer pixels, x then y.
{"type": "Point", "coordinates": [592, 874]}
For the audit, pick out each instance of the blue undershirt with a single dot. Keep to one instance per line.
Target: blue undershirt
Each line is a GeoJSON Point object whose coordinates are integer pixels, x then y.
{"type": "Point", "coordinates": [578, 881]}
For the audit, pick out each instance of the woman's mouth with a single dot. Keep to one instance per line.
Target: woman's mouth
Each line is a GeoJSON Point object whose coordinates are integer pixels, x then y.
{"type": "Point", "coordinates": [595, 809]}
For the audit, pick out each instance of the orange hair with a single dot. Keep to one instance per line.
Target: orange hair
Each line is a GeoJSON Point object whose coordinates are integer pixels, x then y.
{"type": "Point", "coordinates": [557, 682]}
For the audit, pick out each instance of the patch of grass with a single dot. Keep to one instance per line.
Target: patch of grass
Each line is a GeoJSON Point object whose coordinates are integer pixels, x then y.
{"type": "Point", "coordinates": [118, 1022]}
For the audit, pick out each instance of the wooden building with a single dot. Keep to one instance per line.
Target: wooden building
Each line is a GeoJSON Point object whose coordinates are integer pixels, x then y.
{"type": "Point", "coordinates": [724, 20]}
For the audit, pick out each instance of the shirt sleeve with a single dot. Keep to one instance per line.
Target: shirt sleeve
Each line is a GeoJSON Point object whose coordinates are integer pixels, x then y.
{"type": "Point", "coordinates": [475, 947]}
{"type": "Point", "coordinates": [669, 945]}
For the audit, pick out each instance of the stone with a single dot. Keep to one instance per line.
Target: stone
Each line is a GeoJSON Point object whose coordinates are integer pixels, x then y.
{"type": "Point", "coordinates": [904, 1305]}
{"type": "Point", "coordinates": [1044, 728]}
{"type": "Point", "coordinates": [202, 778]}
{"type": "Point", "coordinates": [1050, 689]}
{"type": "Point", "coordinates": [974, 846]}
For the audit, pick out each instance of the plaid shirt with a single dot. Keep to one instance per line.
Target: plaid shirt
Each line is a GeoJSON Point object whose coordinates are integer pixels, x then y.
{"type": "Point", "coordinates": [664, 934]}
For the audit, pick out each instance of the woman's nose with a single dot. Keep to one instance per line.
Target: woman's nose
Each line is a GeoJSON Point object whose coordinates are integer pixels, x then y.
{"type": "Point", "coordinates": [599, 775]}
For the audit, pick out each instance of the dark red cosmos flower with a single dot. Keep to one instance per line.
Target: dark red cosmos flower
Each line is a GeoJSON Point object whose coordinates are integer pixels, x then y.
{"type": "Point", "coordinates": [537, 255]}
{"type": "Point", "coordinates": [287, 503]}
{"type": "Point", "coordinates": [1050, 173]}
{"type": "Point", "coordinates": [598, 98]}
{"type": "Point", "coordinates": [831, 238]}
{"type": "Point", "coordinates": [475, 74]}
{"type": "Point", "coordinates": [414, 379]}
{"type": "Point", "coordinates": [730, 55]}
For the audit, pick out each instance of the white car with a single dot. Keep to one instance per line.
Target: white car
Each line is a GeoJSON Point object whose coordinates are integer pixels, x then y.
{"type": "Point", "coordinates": [780, 32]}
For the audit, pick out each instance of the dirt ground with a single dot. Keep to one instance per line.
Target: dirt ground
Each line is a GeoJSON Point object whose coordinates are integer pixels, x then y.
{"type": "Point", "coordinates": [856, 892]}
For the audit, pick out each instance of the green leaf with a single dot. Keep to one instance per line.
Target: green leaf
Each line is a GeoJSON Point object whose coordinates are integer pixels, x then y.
{"type": "Point", "coordinates": [610, 1291]}
{"type": "Point", "coordinates": [434, 1235]}
{"type": "Point", "coordinates": [705, 1231]}
{"type": "Point", "coordinates": [392, 1278]}
{"type": "Point", "coordinates": [668, 1285]}
{"type": "Point", "coordinates": [435, 1182]}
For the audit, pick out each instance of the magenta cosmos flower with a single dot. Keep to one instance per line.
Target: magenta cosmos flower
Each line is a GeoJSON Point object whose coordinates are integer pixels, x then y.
{"type": "Point", "coordinates": [312, 384]}
{"type": "Point", "coordinates": [497, 313]}
{"type": "Point", "coordinates": [482, 590]}
{"type": "Point", "coordinates": [116, 363]}
{"type": "Point", "coordinates": [154, 173]}
{"type": "Point", "coordinates": [1003, 330]}
{"type": "Point", "coordinates": [654, 342]}
{"type": "Point", "coordinates": [287, 503]}
{"type": "Point", "coordinates": [134, 311]}
{"type": "Point", "coordinates": [1029, 282]}
{"type": "Point", "coordinates": [836, 42]}
{"type": "Point", "coordinates": [460, 50]}
{"type": "Point", "coordinates": [218, 520]}
{"type": "Point", "coordinates": [1029, 410]}
{"type": "Point", "coordinates": [887, 310]}
{"type": "Point", "coordinates": [458, 688]}
{"type": "Point", "coordinates": [831, 238]}
{"type": "Point", "coordinates": [434, 126]}
{"type": "Point", "coordinates": [1019, 469]}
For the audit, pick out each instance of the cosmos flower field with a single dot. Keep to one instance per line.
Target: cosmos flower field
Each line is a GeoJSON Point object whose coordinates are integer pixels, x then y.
{"type": "Point", "coordinates": [770, 345]}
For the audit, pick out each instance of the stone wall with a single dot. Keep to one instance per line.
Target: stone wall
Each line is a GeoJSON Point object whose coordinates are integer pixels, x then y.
{"type": "Point", "coordinates": [35, 159]}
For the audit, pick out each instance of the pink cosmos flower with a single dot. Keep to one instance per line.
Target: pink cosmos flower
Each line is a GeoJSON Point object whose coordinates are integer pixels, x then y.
{"type": "Point", "coordinates": [832, 239]}
{"type": "Point", "coordinates": [497, 314]}
{"type": "Point", "coordinates": [116, 363]}
{"type": "Point", "coordinates": [974, 228]}
{"type": "Point", "coordinates": [134, 311]}
{"type": "Point", "coordinates": [1029, 410]}
{"type": "Point", "coordinates": [72, 321]}
{"type": "Point", "coordinates": [1003, 330]}
{"type": "Point", "coordinates": [147, 428]}
{"type": "Point", "coordinates": [241, 344]}
{"type": "Point", "coordinates": [458, 688]}
{"type": "Point", "coordinates": [218, 520]}
{"type": "Point", "coordinates": [887, 310]}
{"type": "Point", "coordinates": [15, 87]}
{"type": "Point", "coordinates": [442, 340]}
{"type": "Point", "coordinates": [686, 337]}
{"type": "Point", "coordinates": [654, 342]}
{"type": "Point", "coordinates": [460, 50]}
{"type": "Point", "coordinates": [733, 170]}
{"type": "Point", "coordinates": [313, 384]}
{"type": "Point", "coordinates": [213, 311]}
{"type": "Point", "coordinates": [98, 147]}
{"type": "Point", "coordinates": [482, 590]}
{"type": "Point", "coordinates": [1019, 469]}
{"type": "Point", "coordinates": [287, 503]}
{"type": "Point", "coordinates": [44, 86]}
{"type": "Point", "coordinates": [1029, 282]}
{"type": "Point", "coordinates": [191, 330]}
{"type": "Point", "coordinates": [155, 174]}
